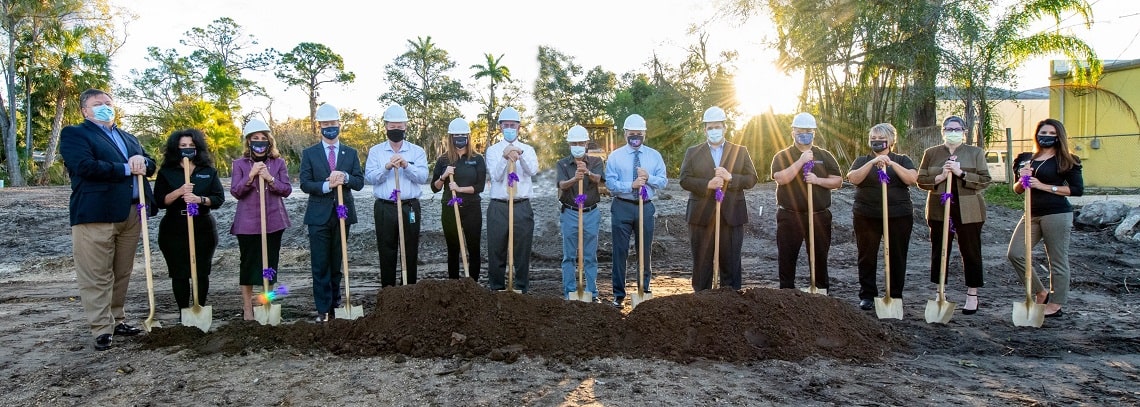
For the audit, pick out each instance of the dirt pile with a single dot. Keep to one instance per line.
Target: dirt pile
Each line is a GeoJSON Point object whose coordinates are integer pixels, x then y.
{"type": "Point", "coordinates": [440, 318]}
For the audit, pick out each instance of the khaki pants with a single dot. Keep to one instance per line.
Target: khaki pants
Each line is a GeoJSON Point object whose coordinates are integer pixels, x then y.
{"type": "Point", "coordinates": [1054, 230]}
{"type": "Point", "coordinates": [104, 258]}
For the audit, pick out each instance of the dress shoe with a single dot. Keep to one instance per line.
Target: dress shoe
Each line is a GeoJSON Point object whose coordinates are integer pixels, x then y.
{"type": "Point", "coordinates": [866, 304]}
{"type": "Point", "coordinates": [617, 302]}
{"type": "Point", "coordinates": [103, 342]}
{"type": "Point", "coordinates": [126, 330]}
{"type": "Point", "coordinates": [1059, 313]}
{"type": "Point", "coordinates": [322, 318]}
{"type": "Point", "coordinates": [967, 311]}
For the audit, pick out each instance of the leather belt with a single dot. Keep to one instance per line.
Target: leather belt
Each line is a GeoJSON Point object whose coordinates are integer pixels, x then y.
{"type": "Point", "coordinates": [566, 207]}
{"type": "Point", "coordinates": [520, 200]}
{"type": "Point", "coordinates": [633, 201]}
{"type": "Point", "coordinates": [402, 201]}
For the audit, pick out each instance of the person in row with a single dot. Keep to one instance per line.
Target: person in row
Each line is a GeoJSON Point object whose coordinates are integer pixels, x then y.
{"type": "Point", "coordinates": [176, 194]}
{"type": "Point", "coordinates": [501, 157]}
{"type": "Point", "coordinates": [574, 170]}
{"type": "Point", "coordinates": [867, 174]}
{"type": "Point", "coordinates": [396, 162]}
{"type": "Point", "coordinates": [463, 173]}
{"type": "Point", "coordinates": [630, 169]}
{"type": "Point", "coordinates": [324, 167]}
{"type": "Point", "coordinates": [716, 173]}
{"type": "Point", "coordinates": [1054, 174]}
{"type": "Point", "coordinates": [964, 166]}
{"type": "Point", "coordinates": [260, 164]}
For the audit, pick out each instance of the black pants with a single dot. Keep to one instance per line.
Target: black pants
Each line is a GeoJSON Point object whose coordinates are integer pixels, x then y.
{"type": "Point", "coordinates": [174, 243]}
{"type": "Point", "coordinates": [249, 271]}
{"type": "Point", "coordinates": [325, 257]}
{"type": "Point", "coordinates": [471, 213]}
{"type": "Point", "coordinates": [497, 232]}
{"type": "Point", "coordinates": [701, 240]}
{"type": "Point", "coordinates": [182, 294]}
{"type": "Point", "coordinates": [868, 234]}
{"type": "Point", "coordinates": [791, 234]}
{"type": "Point", "coordinates": [969, 244]}
{"type": "Point", "coordinates": [388, 238]}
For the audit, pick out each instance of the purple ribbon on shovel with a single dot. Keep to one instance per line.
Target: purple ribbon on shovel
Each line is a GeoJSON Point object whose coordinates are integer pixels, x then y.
{"type": "Point", "coordinates": [268, 273]}
{"type": "Point", "coordinates": [946, 199]}
{"type": "Point", "coordinates": [719, 194]}
{"type": "Point", "coordinates": [342, 211]}
{"type": "Point", "coordinates": [644, 193]}
{"type": "Point", "coordinates": [142, 209]}
{"type": "Point", "coordinates": [192, 209]}
{"type": "Point", "coordinates": [808, 166]}
{"type": "Point", "coordinates": [580, 200]}
{"type": "Point", "coordinates": [455, 201]}
{"type": "Point", "coordinates": [1025, 181]}
{"type": "Point", "coordinates": [883, 177]}
{"type": "Point", "coordinates": [512, 179]}
{"type": "Point", "coordinates": [395, 195]}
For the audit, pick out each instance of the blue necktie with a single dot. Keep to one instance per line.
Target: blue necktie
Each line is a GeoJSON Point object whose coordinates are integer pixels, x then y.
{"type": "Point", "coordinates": [636, 162]}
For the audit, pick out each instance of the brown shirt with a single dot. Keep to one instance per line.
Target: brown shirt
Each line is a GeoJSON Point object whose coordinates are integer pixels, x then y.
{"type": "Point", "coordinates": [968, 188]}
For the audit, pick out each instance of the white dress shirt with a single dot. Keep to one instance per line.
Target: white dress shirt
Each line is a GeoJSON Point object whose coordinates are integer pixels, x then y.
{"type": "Point", "coordinates": [498, 166]}
{"type": "Point", "coordinates": [412, 178]}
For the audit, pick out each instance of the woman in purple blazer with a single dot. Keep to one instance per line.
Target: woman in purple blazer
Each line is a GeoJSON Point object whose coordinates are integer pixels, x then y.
{"type": "Point", "coordinates": [259, 159]}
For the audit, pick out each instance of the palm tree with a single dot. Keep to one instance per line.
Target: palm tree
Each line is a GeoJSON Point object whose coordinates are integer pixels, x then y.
{"type": "Point", "coordinates": [497, 73]}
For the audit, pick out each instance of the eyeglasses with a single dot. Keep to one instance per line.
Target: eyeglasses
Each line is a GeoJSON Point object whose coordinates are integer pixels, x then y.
{"type": "Point", "coordinates": [952, 129]}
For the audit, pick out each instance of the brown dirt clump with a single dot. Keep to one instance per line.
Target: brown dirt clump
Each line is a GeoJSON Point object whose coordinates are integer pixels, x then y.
{"type": "Point", "coordinates": [442, 318]}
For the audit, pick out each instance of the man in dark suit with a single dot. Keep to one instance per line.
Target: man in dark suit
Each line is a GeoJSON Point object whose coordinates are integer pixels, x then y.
{"type": "Point", "coordinates": [709, 167]}
{"type": "Point", "coordinates": [103, 162]}
{"type": "Point", "coordinates": [325, 166]}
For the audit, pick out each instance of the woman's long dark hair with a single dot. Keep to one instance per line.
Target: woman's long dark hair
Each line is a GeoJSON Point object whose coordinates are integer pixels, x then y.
{"type": "Point", "coordinates": [1066, 160]}
{"type": "Point", "coordinates": [172, 155]}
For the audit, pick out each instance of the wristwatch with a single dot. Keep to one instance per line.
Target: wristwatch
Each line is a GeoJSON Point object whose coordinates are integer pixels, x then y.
{"type": "Point", "coordinates": [1054, 189]}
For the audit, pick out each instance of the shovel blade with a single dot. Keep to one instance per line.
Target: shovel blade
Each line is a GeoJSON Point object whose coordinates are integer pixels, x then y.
{"type": "Point", "coordinates": [582, 295]}
{"type": "Point", "coordinates": [889, 308]}
{"type": "Point", "coordinates": [349, 312]}
{"type": "Point", "coordinates": [1026, 313]}
{"type": "Point", "coordinates": [150, 323]}
{"type": "Point", "coordinates": [198, 317]}
{"type": "Point", "coordinates": [814, 290]}
{"type": "Point", "coordinates": [939, 312]}
{"type": "Point", "coordinates": [637, 298]}
{"type": "Point", "coordinates": [268, 315]}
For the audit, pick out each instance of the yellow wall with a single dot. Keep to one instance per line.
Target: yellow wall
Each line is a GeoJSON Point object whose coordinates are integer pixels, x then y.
{"type": "Point", "coordinates": [1116, 163]}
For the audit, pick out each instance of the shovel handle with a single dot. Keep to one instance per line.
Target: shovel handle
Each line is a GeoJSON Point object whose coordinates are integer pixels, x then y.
{"type": "Point", "coordinates": [581, 243]}
{"type": "Point", "coordinates": [344, 251]}
{"type": "Point", "coordinates": [716, 249]}
{"type": "Point", "coordinates": [811, 236]}
{"type": "Point", "coordinates": [190, 236]}
{"type": "Point", "coordinates": [459, 231]}
{"type": "Point", "coordinates": [143, 212]}
{"type": "Point", "coordinates": [264, 244]}
{"type": "Point", "coordinates": [1026, 224]}
{"type": "Point", "coordinates": [640, 245]}
{"type": "Point", "coordinates": [511, 232]}
{"type": "Point", "coordinates": [945, 241]}
{"type": "Point", "coordinates": [886, 245]}
{"type": "Point", "coordinates": [400, 228]}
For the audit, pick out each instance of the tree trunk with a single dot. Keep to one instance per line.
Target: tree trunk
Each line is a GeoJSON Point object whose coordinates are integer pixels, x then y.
{"type": "Point", "coordinates": [11, 156]}
{"type": "Point", "coordinates": [53, 141]}
{"type": "Point", "coordinates": [313, 110]}
{"type": "Point", "coordinates": [491, 116]}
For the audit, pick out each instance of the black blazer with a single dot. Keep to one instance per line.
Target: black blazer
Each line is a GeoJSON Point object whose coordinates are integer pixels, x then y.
{"type": "Point", "coordinates": [696, 171]}
{"type": "Point", "coordinates": [100, 193]}
{"type": "Point", "coordinates": [314, 171]}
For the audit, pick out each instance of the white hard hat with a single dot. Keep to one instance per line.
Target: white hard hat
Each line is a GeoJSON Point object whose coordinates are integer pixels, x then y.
{"type": "Point", "coordinates": [634, 122]}
{"type": "Point", "coordinates": [509, 113]}
{"type": "Point", "coordinates": [577, 133]}
{"type": "Point", "coordinates": [715, 114]}
{"type": "Point", "coordinates": [804, 121]}
{"type": "Point", "coordinates": [254, 126]}
{"type": "Point", "coordinates": [327, 113]}
{"type": "Point", "coordinates": [396, 113]}
{"type": "Point", "coordinates": [458, 126]}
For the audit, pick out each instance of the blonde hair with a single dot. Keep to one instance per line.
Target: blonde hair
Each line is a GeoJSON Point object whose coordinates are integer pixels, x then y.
{"type": "Point", "coordinates": [885, 129]}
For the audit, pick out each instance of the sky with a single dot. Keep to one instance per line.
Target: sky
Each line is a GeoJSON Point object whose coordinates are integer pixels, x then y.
{"type": "Point", "coordinates": [621, 36]}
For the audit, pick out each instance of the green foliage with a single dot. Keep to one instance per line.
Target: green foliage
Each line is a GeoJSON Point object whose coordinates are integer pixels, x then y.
{"type": "Point", "coordinates": [221, 52]}
{"type": "Point", "coordinates": [418, 80]}
{"type": "Point", "coordinates": [1002, 195]}
{"type": "Point", "coordinates": [497, 73]}
{"type": "Point", "coordinates": [308, 66]}
{"type": "Point", "coordinates": [357, 130]}
{"type": "Point", "coordinates": [567, 95]}
{"type": "Point", "coordinates": [223, 137]}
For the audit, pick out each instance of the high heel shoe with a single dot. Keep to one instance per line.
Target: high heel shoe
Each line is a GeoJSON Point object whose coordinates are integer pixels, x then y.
{"type": "Point", "coordinates": [977, 304]}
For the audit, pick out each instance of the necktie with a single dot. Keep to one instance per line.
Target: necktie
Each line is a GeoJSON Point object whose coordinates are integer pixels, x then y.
{"type": "Point", "coordinates": [636, 162]}
{"type": "Point", "coordinates": [332, 158]}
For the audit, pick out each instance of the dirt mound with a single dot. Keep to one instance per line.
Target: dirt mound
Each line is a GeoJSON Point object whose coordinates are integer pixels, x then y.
{"type": "Point", "coordinates": [439, 318]}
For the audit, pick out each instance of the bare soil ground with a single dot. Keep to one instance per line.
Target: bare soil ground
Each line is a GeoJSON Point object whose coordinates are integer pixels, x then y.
{"type": "Point", "coordinates": [454, 343]}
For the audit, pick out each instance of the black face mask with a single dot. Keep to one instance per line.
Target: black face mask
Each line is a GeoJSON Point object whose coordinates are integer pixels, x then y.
{"type": "Point", "coordinates": [259, 147]}
{"type": "Point", "coordinates": [459, 142]}
{"type": "Point", "coordinates": [1046, 141]}
{"type": "Point", "coordinates": [189, 152]}
{"type": "Point", "coordinates": [395, 135]}
{"type": "Point", "coordinates": [878, 146]}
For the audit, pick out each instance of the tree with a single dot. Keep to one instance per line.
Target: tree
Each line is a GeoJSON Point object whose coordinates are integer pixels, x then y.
{"type": "Point", "coordinates": [418, 80]}
{"type": "Point", "coordinates": [222, 52]}
{"type": "Point", "coordinates": [567, 95]}
{"type": "Point", "coordinates": [308, 66]}
{"type": "Point", "coordinates": [497, 73]}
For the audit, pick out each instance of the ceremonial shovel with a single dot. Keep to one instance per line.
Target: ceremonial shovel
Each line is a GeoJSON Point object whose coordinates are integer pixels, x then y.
{"type": "Point", "coordinates": [811, 241]}
{"type": "Point", "coordinates": [581, 294]}
{"type": "Point", "coordinates": [887, 307]}
{"type": "Point", "coordinates": [940, 310]}
{"type": "Point", "coordinates": [459, 230]}
{"type": "Point", "coordinates": [143, 212]}
{"type": "Point", "coordinates": [348, 311]}
{"type": "Point", "coordinates": [640, 295]}
{"type": "Point", "coordinates": [1028, 313]}
{"type": "Point", "coordinates": [197, 315]}
{"type": "Point", "coordinates": [270, 313]}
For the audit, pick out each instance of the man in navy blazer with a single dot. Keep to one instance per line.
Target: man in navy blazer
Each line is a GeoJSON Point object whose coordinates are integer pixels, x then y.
{"type": "Point", "coordinates": [325, 166]}
{"type": "Point", "coordinates": [104, 162]}
{"type": "Point", "coordinates": [708, 167]}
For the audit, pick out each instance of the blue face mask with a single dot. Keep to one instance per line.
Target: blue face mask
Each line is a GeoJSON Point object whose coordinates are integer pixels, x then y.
{"type": "Point", "coordinates": [103, 113]}
{"type": "Point", "coordinates": [577, 151]}
{"type": "Point", "coordinates": [330, 132]}
{"type": "Point", "coordinates": [715, 136]}
{"type": "Point", "coordinates": [510, 135]}
{"type": "Point", "coordinates": [805, 138]}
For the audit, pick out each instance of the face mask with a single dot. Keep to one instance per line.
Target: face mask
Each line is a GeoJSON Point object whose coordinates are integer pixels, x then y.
{"type": "Point", "coordinates": [103, 113]}
{"type": "Point", "coordinates": [459, 142]}
{"type": "Point", "coordinates": [954, 137]}
{"type": "Point", "coordinates": [1046, 141]}
{"type": "Point", "coordinates": [805, 138]}
{"type": "Point", "coordinates": [510, 135]}
{"type": "Point", "coordinates": [189, 152]}
{"type": "Point", "coordinates": [635, 141]}
{"type": "Point", "coordinates": [878, 146]}
{"type": "Point", "coordinates": [715, 136]}
{"type": "Point", "coordinates": [259, 147]}
{"type": "Point", "coordinates": [330, 132]}
{"type": "Point", "coordinates": [577, 151]}
{"type": "Point", "coordinates": [396, 135]}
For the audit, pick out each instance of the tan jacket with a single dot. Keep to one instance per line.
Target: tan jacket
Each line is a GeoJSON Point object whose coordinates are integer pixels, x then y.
{"type": "Point", "coordinates": [968, 188]}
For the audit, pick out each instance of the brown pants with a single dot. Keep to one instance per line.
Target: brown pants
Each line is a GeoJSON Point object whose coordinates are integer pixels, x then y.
{"type": "Point", "coordinates": [104, 258]}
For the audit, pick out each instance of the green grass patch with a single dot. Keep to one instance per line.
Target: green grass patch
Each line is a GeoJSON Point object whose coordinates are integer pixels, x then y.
{"type": "Point", "coordinates": [1002, 194]}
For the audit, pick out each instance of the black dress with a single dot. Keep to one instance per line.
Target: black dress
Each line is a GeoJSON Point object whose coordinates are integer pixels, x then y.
{"type": "Point", "coordinates": [173, 238]}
